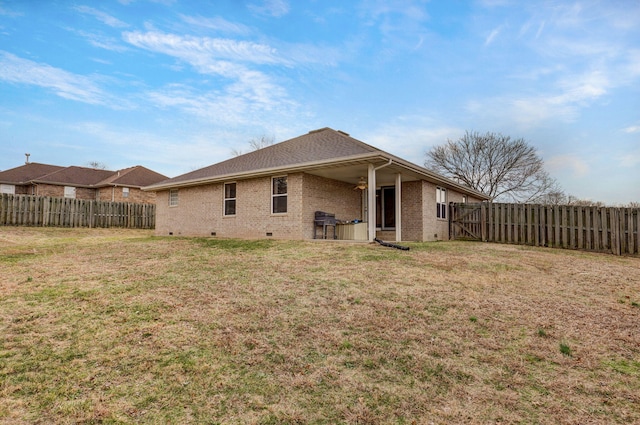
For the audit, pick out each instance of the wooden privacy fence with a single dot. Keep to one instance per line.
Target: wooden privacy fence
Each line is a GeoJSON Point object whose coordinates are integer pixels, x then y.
{"type": "Point", "coordinates": [614, 230]}
{"type": "Point", "coordinates": [27, 210]}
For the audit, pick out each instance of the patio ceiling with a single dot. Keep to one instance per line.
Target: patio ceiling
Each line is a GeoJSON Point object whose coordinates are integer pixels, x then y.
{"type": "Point", "coordinates": [354, 171]}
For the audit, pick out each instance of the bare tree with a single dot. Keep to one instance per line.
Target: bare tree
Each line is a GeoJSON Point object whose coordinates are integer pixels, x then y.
{"type": "Point", "coordinates": [575, 201]}
{"type": "Point", "coordinates": [555, 197]}
{"type": "Point", "coordinates": [97, 165]}
{"type": "Point", "coordinates": [505, 169]}
{"type": "Point", "coordinates": [255, 144]}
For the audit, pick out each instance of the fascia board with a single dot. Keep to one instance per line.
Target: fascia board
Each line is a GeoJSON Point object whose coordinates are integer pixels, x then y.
{"type": "Point", "coordinates": [380, 155]}
{"type": "Point", "coordinates": [265, 172]}
{"type": "Point", "coordinates": [439, 179]}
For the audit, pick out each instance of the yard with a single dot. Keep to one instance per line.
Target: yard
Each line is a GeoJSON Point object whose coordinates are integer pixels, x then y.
{"type": "Point", "coordinates": [118, 326]}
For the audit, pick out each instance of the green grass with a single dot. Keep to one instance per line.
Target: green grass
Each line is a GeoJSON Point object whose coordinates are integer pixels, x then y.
{"type": "Point", "coordinates": [121, 327]}
{"type": "Point", "coordinates": [565, 349]}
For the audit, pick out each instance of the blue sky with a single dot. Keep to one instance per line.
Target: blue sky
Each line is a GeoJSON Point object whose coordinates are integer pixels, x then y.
{"type": "Point", "coordinates": [177, 85]}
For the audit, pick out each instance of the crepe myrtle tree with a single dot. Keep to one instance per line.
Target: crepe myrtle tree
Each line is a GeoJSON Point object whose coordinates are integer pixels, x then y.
{"type": "Point", "coordinates": [508, 170]}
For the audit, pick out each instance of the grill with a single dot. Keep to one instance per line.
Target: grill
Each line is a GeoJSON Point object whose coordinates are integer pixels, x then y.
{"type": "Point", "coordinates": [324, 220]}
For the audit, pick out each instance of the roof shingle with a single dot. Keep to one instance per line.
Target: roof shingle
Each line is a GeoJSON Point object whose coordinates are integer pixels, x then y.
{"type": "Point", "coordinates": [27, 172]}
{"type": "Point", "coordinates": [317, 145]}
{"type": "Point", "coordinates": [33, 172]}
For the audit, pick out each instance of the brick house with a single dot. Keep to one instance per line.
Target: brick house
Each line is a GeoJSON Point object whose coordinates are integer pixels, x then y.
{"type": "Point", "coordinates": [276, 191]}
{"type": "Point", "coordinates": [80, 182]}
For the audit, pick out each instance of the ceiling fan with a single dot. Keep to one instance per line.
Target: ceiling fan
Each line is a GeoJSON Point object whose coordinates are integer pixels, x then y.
{"type": "Point", "coordinates": [362, 184]}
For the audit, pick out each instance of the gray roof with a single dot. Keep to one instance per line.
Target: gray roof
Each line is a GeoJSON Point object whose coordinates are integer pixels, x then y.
{"type": "Point", "coordinates": [318, 145]}
{"type": "Point", "coordinates": [319, 152]}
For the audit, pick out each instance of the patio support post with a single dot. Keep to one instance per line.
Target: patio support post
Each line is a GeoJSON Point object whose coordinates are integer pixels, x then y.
{"type": "Point", "coordinates": [398, 207]}
{"type": "Point", "coordinates": [371, 202]}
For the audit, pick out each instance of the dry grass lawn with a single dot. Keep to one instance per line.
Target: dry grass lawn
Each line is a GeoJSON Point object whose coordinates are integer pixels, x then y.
{"type": "Point", "coordinates": [119, 327]}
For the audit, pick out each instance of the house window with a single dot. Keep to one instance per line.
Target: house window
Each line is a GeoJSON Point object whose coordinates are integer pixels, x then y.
{"type": "Point", "coordinates": [173, 197]}
{"type": "Point", "coordinates": [125, 192]}
{"type": "Point", "coordinates": [464, 199]}
{"type": "Point", "coordinates": [229, 199]}
{"type": "Point", "coordinates": [70, 192]}
{"type": "Point", "coordinates": [8, 188]}
{"type": "Point", "coordinates": [279, 195]}
{"type": "Point", "coordinates": [441, 203]}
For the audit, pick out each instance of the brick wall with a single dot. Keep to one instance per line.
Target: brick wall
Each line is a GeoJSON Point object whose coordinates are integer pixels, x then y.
{"type": "Point", "coordinates": [115, 194]}
{"type": "Point", "coordinates": [412, 213]}
{"type": "Point", "coordinates": [108, 194]}
{"type": "Point", "coordinates": [200, 209]}
{"type": "Point", "coordinates": [434, 229]}
{"type": "Point", "coordinates": [331, 196]}
{"type": "Point", "coordinates": [50, 190]}
{"type": "Point", "coordinates": [57, 191]}
{"type": "Point", "coordinates": [23, 190]}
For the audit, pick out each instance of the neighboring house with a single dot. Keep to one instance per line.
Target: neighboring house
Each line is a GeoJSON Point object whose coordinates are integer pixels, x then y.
{"type": "Point", "coordinates": [276, 191]}
{"type": "Point", "coordinates": [80, 182]}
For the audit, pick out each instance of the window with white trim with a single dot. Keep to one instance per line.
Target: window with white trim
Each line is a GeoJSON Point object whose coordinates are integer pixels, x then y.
{"type": "Point", "coordinates": [8, 188]}
{"type": "Point", "coordinates": [279, 195]}
{"type": "Point", "coordinates": [125, 192]}
{"type": "Point", "coordinates": [229, 199]}
{"type": "Point", "coordinates": [441, 203]}
{"type": "Point", "coordinates": [70, 192]}
{"type": "Point", "coordinates": [464, 199]}
{"type": "Point", "coordinates": [173, 197]}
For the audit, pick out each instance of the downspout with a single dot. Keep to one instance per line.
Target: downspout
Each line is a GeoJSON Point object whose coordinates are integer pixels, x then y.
{"type": "Point", "coordinates": [371, 180]}
{"type": "Point", "coordinates": [398, 202]}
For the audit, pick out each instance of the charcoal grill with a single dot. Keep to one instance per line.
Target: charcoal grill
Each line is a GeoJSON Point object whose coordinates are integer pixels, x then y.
{"type": "Point", "coordinates": [324, 220]}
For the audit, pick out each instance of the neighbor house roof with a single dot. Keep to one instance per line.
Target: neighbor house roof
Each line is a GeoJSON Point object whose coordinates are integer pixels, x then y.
{"type": "Point", "coordinates": [137, 176]}
{"type": "Point", "coordinates": [75, 176]}
{"type": "Point", "coordinates": [316, 150]}
{"type": "Point", "coordinates": [35, 173]}
{"type": "Point", "coordinates": [26, 173]}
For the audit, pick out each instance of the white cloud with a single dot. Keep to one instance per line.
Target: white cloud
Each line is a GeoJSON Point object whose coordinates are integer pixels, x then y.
{"type": "Point", "coordinates": [563, 163]}
{"type": "Point", "coordinates": [492, 36]}
{"type": "Point", "coordinates": [632, 129]}
{"type": "Point", "coordinates": [65, 84]}
{"type": "Point", "coordinates": [275, 8]}
{"type": "Point", "coordinates": [217, 23]}
{"type": "Point", "coordinates": [7, 12]}
{"type": "Point", "coordinates": [103, 17]}
{"type": "Point", "coordinates": [203, 52]}
{"type": "Point", "coordinates": [248, 92]}
{"type": "Point", "coordinates": [410, 137]}
{"type": "Point", "coordinates": [100, 41]}
{"type": "Point", "coordinates": [573, 92]}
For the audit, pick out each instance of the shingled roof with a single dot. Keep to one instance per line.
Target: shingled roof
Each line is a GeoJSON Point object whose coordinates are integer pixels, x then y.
{"type": "Point", "coordinates": [325, 152]}
{"type": "Point", "coordinates": [34, 173]}
{"type": "Point", "coordinates": [75, 176]}
{"type": "Point", "coordinates": [137, 176]}
{"type": "Point", "coordinates": [319, 145]}
{"type": "Point", "coordinates": [27, 173]}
